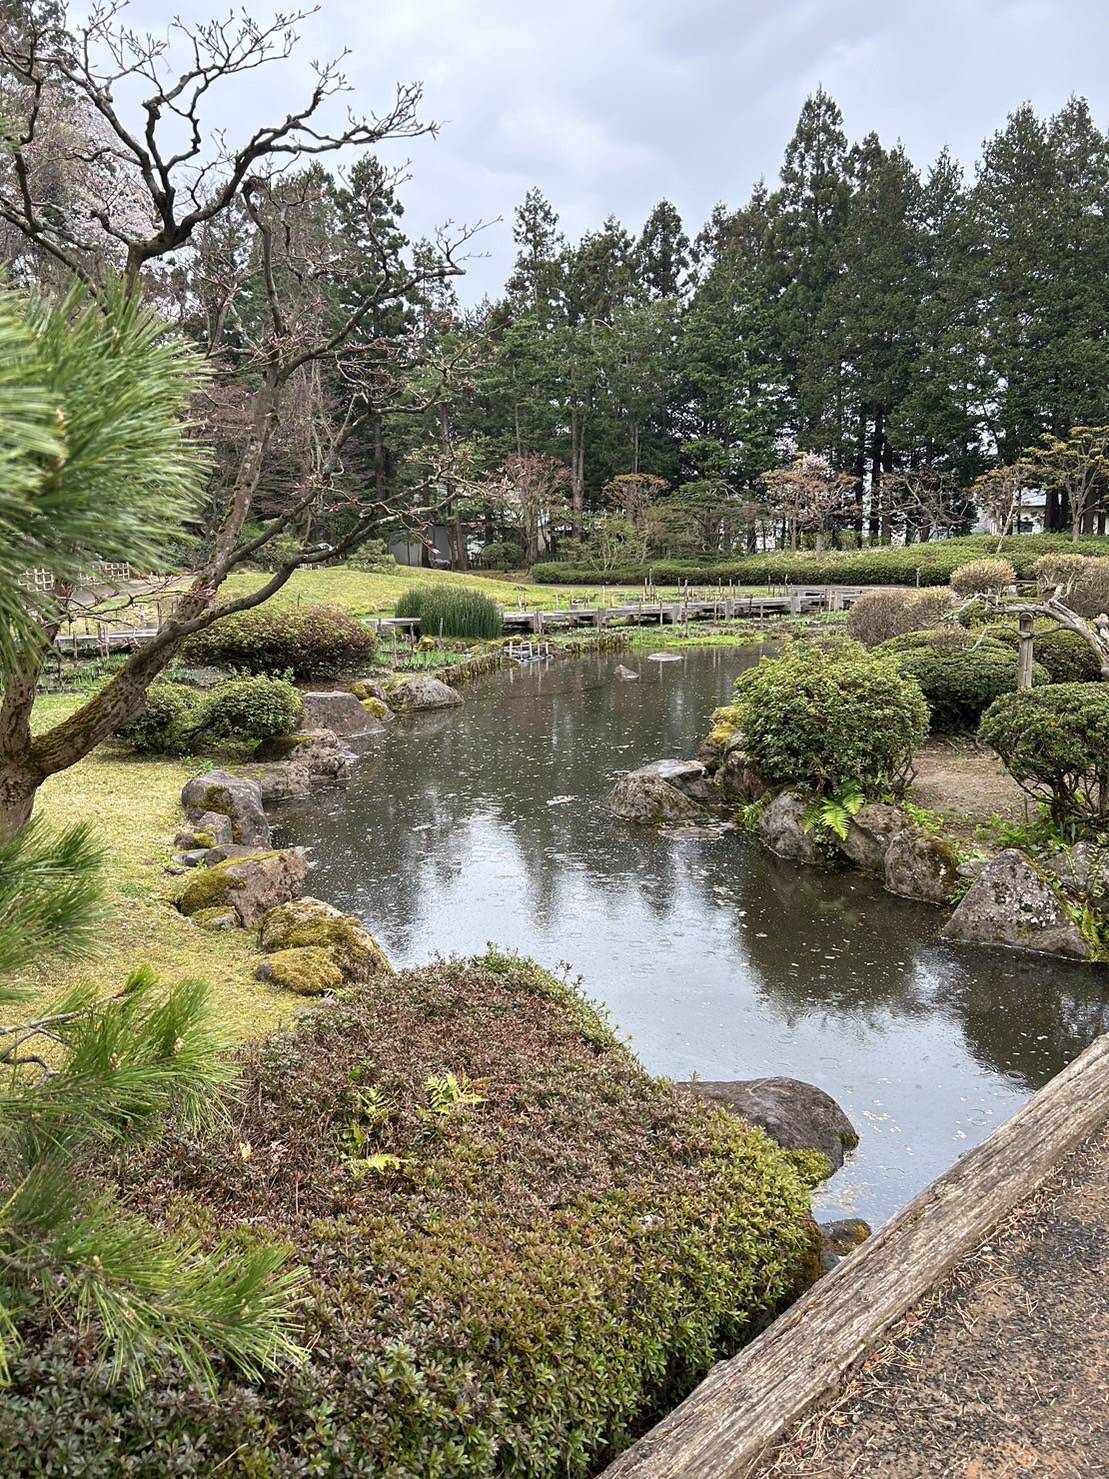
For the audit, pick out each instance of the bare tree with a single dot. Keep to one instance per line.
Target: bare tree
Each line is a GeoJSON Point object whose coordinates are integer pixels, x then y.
{"type": "Point", "coordinates": [179, 192]}
{"type": "Point", "coordinates": [807, 495]}
{"type": "Point", "coordinates": [927, 502]}
{"type": "Point", "coordinates": [1001, 494]}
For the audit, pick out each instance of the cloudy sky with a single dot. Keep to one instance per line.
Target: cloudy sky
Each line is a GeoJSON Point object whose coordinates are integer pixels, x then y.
{"type": "Point", "coordinates": [608, 105]}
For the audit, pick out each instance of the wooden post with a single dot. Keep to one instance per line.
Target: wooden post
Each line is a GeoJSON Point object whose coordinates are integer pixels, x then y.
{"type": "Point", "coordinates": [1024, 662]}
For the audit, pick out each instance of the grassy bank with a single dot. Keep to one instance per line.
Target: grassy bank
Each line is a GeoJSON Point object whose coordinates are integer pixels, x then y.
{"type": "Point", "coordinates": [132, 803]}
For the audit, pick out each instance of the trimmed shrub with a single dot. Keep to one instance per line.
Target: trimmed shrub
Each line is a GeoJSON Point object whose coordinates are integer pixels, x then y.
{"type": "Point", "coordinates": [372, 554]}
{"type": "Point", "coordinates": [982, 577]}
{"type": "Point", "coordinates": [960, 673]}
{"type": "Point", "coordinates": [452, 611]}
{"type": "Point", "coordinates": [521, 1247]}
{"type": "Point", "coordinates": [880, 615]}
{"type": "Point", "coordinates": [915, 564]}
{"type": "Point", "coordinates": [251, 708]}
{"type": "Point", "coordinates": [167, 723]}
{"type": "Point", "coordinates": [824, 719]}
{"type": "Point", "coordinates": [1055, 743]}
{"type": "Point", "coordinates": [504, 555]}
{"type": "Point", "coordinates": [1085, 581]}
{"type": "Point", "coordinates": [307, 641]}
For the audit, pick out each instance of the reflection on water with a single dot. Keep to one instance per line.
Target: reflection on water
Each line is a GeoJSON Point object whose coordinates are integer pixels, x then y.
{"type": "Point", "coordinates": [487, 823]}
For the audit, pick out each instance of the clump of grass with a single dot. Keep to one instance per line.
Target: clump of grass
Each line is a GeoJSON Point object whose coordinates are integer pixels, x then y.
{"type": "Point", "coordinates": [445, 611]}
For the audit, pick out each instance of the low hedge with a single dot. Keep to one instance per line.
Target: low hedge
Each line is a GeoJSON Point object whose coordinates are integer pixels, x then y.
{"type": "Point", "coordinates": [521, 1247]}
{"type": "Point", "coordinates": [307, 641]}
{"type": "Point", "coordinates": [935, 563]}
{"type": "Point", "coordinates": [251, 708]}
{"type": "Point", "coordinates": [960, 673]}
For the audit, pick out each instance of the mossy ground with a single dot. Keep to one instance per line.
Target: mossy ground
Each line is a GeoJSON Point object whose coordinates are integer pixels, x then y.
{"type": "Point", "coordinates": [132, 802]}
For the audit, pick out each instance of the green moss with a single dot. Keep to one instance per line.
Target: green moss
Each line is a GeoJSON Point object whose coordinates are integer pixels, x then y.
{"type": "Point", "coordinates": [811, 1165]}
{"type": "Point", "coordinates": [215, 918]}
{"type": "Point", "coordinates": [207, 888]}
{"type": "Point", "coordinates": [375, 707]}
{"type": "Point", "coordinates": [305, 923]}
{"type": "Point", "coordinates": [307, 970]}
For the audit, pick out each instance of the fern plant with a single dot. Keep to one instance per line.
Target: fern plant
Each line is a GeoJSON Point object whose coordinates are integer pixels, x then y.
{"type": "Point", "coordinates": [831, 815]}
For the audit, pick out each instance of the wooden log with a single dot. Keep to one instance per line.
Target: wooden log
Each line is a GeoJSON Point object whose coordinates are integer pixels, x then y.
{"type": "Point", "coordinates": [745, 1405]}
{"type": "Point", "coordinates": [1024, 659]}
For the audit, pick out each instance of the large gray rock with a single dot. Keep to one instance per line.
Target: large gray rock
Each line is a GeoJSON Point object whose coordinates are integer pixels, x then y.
{"type": "Point", "coordinates": [238, 799]}
{"type": "Point", "coordinates": [319, 756]}
{"type": "Point", "coordinates": [251, 886]}
{"type": "Point", "coordinates": [797, 1115]}
{"type": "Point", "coordinates": [1083, 871]}
{"type": "Point", "coordinates": [626, 675]}
{"type": "Point", "coordinates": [647, 795]}
{"type": "Point", "coordinates": [869, 834]}
{"type": "Point", "coordinates": [341, 713]}
{"type": "Point", "coordinates": [736, 777]}
{"type": "Point", "coordinates": [921, 866]}
{"type": "Point", "coordinates": [412, 695]}
{"type": "Point", "coordinates": [782, 830]}
{"type": "Point", "coordinates": [687, 776]}
{"type": "Point", "coordinates": [1013, 904]}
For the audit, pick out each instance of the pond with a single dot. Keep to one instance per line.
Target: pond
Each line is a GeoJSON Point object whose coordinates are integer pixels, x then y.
{"type": "Point", "coordinates": [712, 957]}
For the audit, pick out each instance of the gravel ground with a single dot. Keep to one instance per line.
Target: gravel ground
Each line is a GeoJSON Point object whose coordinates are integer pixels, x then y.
{"type": "Point", "coordinates": [1003, 1372]}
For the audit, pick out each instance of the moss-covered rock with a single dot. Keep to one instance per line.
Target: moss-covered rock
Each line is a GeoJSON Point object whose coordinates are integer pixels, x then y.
{"type": "Point", "coordinates": [311, 922]}
{"type": "Point", "coordinates": [251, 886]}
{"type": "Point", "coordinates": [377, 708]}
{"type": "Point", "coordinates": [216, 918]}
{"type": "Point", "coordinates": [921, 866]}
{"type": "Point", "coordinates": [307, 969]}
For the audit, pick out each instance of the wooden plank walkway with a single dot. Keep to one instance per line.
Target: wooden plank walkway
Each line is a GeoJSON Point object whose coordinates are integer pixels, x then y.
{"type": "Point", "coordinates": [745, 1405]}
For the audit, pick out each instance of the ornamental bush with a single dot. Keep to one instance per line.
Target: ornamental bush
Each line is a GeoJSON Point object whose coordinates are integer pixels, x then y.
{"type": "Point", "coordinates": [879, 615]}
{"type": "Point", "coordinates": [452, 611]}
{"type": "Point", "coordinates": [504, 555]}
{"type": "Point", "coordinates": [1055, 743]}
{"type": "Point", "coordinates": [960, 673]}
{"type": "Point", "coordinates": [981, 577]}
{"type": "Point", "coordinates": [307, 641]}
{"type": "Point", "coordinates": [251, 708]}
{"type": "Point", "coordinates": [823, 719]}
{"type": "Point", "coordinates": [522, 1248]}
{"type": "Point", "coordinates": [169, 720]}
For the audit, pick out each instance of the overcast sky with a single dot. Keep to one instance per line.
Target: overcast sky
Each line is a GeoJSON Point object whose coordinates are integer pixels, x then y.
{"type": "Point", "coordinates": [608, 105]}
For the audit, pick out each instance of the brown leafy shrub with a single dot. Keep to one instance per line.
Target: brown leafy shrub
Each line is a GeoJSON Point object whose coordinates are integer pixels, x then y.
{"type": "Point", "coordinates": [1084, 581]}
{"type": "Point", "coordinates": [521, 1246]}
{"type": "Point", "coordinates": [983, 577]}
{"type": "Point", "coordinates": [880, 615]}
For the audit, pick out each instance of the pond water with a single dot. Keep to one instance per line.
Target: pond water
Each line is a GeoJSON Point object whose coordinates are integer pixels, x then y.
{"type": "Point", "coordinates": [487, 824]}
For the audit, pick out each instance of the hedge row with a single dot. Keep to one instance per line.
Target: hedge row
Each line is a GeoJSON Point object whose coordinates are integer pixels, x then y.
{"type": "Point", "coordinates": [521, 1247]}
{"type": "Point", "coordinates": [935, 563]}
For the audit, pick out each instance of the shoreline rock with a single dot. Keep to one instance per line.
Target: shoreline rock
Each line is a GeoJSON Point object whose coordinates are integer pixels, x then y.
{"type": "Point", "coordinates": [797, 1115]}
{"type": "Point", "coordinates": [1015, 905]}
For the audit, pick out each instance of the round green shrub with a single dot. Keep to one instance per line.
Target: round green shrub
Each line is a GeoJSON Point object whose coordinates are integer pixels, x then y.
{"type": "Point", "coordinates": [510, 1275]}
{"type": "Point", "coordinates": [251, 708]}
{"type": "Point", "coordinates": [960, 673]}
{"type": "Point", "coordinates": [823, 719]}
{"type": "Point", "coordinates": [167, 723]}
{"type": "Point", "coordinates": [1055, 743]}
{"type": "Point", "coordinates": [307, 641]}
{"type": "Point", "coordinates": [452, 611]}
{"type": "Point", "coordinates": [503, 555]}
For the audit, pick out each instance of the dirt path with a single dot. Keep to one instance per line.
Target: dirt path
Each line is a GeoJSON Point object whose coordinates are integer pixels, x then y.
{"type": "Point", "coordinates": [1003, 1373]}
{"type": "Point", "coordinates": [966, 785]}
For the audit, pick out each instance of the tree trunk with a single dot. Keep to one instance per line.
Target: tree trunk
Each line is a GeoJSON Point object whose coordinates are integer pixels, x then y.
{"type": "Point", "coordinates": [577, 470]}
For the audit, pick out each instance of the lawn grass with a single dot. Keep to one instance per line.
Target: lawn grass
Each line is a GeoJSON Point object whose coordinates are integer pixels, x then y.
{"type": "Point", "coordinates": [132, 803]}
{"type": "Point", "coordinates": [375, 593]}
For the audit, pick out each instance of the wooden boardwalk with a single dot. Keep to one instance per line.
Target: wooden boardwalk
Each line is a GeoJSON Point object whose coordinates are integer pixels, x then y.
{"type": "Point", "coordinates": [796, 601]}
